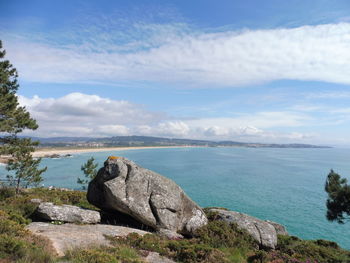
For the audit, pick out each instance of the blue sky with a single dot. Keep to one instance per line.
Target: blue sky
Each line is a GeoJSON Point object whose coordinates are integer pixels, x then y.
{"type": "Point", "coordinates": [256, 71]}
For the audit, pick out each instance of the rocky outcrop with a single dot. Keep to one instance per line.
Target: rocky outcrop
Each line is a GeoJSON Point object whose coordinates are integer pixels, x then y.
{"type": "Point", "coordinates": [280, 229]}
{"type": "Point", "coordinates": [67, 213]}
{"type": "Point", "coordinates": [69, 236]}
{"type": "Point", "coordinates": [153, 200]}
{"type": "Point", "coordinates": [260, 230]}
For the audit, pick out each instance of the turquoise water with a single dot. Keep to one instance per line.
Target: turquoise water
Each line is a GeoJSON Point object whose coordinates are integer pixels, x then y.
{"type": "Point", "coordinates": [283, 185]}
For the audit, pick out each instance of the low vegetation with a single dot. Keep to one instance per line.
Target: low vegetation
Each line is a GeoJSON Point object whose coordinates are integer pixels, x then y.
{"type": "Point", "coordinates": [216, 242]}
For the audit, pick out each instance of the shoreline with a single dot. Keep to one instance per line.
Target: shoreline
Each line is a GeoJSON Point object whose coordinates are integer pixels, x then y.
{"type": "Point", "coordinates": [47, 152]}
{"type": "Point", "coordinates": [53, 152]}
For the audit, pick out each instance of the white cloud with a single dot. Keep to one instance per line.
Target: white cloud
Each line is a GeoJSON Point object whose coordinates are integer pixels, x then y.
{"type": "Point", "coordinates": [191, 59]}
{"type": "Point", "coordinates": [263, 120]}
{"type": "Point", "coordinates": [78, 114]}
{"type": "Point", "coordinates": [166, 128]}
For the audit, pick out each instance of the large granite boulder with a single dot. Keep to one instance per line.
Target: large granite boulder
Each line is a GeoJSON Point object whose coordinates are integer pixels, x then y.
{"type": "Point", "coordinates": [153, 200]}
{"type": "Point", "coordinates": [67, 213]}
{"type": "Point", "coordinates": [262, 231]}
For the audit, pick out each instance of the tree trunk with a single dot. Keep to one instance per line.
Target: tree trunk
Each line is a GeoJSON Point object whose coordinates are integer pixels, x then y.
{"type": "Point", "coordinates": [17, 185]}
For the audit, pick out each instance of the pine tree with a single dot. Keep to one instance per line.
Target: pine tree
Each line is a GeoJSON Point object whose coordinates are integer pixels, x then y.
{"type": "Point", "coordinates": [338, 202]}
{"type": "Point", "coordinates": [90, 172]}
{"type": "Point", "coordinates": [13, 120]}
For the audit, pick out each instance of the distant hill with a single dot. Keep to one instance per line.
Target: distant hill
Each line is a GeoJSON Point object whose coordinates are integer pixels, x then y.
{"type": "Point", "coordinates": [155, 141]}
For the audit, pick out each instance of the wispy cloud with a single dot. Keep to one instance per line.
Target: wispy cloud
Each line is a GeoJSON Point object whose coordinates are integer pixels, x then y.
{"type": "Point", "coordinates": [328, 95]}
{"type": "Point", "coordinates": [175, 54]}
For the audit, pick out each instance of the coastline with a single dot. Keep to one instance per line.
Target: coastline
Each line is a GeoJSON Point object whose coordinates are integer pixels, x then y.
{"type": "Point", "coordinates": [47, 152]}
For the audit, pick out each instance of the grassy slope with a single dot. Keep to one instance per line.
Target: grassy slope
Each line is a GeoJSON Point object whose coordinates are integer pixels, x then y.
{"type": "Point", "coordinates": [217, 242]}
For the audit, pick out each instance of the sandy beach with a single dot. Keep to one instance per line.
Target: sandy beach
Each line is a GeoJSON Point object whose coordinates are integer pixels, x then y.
{"type": "Point", "coordinates": [47, 152]}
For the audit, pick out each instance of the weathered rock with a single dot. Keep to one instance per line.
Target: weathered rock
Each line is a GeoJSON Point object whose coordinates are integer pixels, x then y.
{"type": "Point", "coordinates": [156, 201]}
{"type": "Point", "coordinates": [67, 213]}
{"type": "Point", "coordinates": [260, 230]}
{"type": "Point", "coordinates": [280, 229]}
{"type": "Point", "coordinates": [69, 236]}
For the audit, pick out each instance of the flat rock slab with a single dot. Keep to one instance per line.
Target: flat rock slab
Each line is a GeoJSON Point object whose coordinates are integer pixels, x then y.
{"type": "Point", "coordinates": [67, 213]}
{"type": "Point", "coordinates": [68, 236]}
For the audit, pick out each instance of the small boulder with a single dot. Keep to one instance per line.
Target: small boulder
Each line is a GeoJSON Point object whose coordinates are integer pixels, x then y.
{"type": "Point", "coordinates": [67, 213]}
{"type": "Point", "coordinates": [152, 199]}
{"type": "Point", "coordinates": [260, 230]}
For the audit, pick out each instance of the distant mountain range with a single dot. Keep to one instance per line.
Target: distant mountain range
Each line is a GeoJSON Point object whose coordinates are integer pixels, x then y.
{"type": "Point", "coordinates": [155, 141]}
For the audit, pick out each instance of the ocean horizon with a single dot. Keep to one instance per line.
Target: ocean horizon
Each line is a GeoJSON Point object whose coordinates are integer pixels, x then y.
{"type": "Point", "coordinates": [281, 185]}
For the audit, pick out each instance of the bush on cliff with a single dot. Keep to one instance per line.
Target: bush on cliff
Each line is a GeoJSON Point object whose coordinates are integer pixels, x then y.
{"type": "Point", "coordinates": [104, 255]}
{"type": "Point", "coordinates": [16, 243]}
{"type": "Point", "coordinates": [216, 242]}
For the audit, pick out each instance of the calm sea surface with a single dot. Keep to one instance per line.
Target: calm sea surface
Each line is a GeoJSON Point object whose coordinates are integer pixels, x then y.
{"type": "Point", "coordinates": [282, 185]}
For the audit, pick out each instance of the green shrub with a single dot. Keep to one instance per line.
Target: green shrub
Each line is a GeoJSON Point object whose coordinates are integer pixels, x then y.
{"type": "Point", "coordinates": [190, 252]}
{"type": "Point", "coordinates": [219, 234]}
{"type": "Point", "coordinates": [314, 251]}
{"type": "Point", "coordinates": [186, 250]}
{"type": "Point", "coordinates": [6, 192]}
{"type": "Point", "coordinates": [104, 255]}
{"type": "Point", "coordinates": [8, 226]}
{"type": "Point", "coordinates": [217, 242]}
{"type": "Point", "coordinates": [11, 247]}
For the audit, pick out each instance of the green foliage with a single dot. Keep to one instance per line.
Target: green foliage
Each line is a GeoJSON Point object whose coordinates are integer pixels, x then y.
{"type": "Point", "coordinates": [338, 202]}
{"type": "Point", "coordinates": [104, 255]}
{"type": "Point", "coordinates": [12, 246]}
{"type": "Point", "coordinates": [187, 250]}
{"type": "Point", "coordinates": [216, 242]}
{"type": "Point", "coordinates": [222, 242]}
{"type": "Point", "coordinates": [15, 249]}
{"type": "Point", "coordinates": [13, 120]}
{"type": "Point", "coordinates": [17, 244]}
{"type": "Point", "coordinates": [90, 172]}
{"type": "Point", "coordinates": [26, 168]}
{"type": "Point", "coordinates": [19, 210]}
{"type": "Point", "coordinates": [219, 234]}
{"type": "Point", "coordinates": [293, 249]}
{"type": "Point", "coordinates": [6, 192]}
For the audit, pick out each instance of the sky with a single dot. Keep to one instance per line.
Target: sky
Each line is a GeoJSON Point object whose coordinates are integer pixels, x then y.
{"type": "Point", "coordinates": [242, 70]}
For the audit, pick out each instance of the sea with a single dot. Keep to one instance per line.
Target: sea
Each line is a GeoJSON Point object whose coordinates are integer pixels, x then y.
{"type": "Point", "coordinates": [284, 185]}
